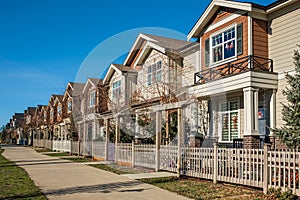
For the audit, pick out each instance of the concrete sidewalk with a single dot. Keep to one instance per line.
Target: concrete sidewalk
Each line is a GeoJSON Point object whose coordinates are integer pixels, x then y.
{"type": "Point", "coordinates": [62, 179]}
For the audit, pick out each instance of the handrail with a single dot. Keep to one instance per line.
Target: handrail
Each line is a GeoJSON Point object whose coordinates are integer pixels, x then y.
{"type": "Point", "coordinates": [247, 63]}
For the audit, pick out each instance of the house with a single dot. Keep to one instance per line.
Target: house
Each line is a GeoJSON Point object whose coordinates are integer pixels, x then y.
{"type": "Point", "coordinates": [54, 109]}
{"type": "Point", "coordinates": [164, 67]}
{"type": "Point", "coordinates": [72, 94]}
{"type": "Point", "coordinates": [29, 124]}
{"type": "Point", "coordinates": [242, 65]}
{"type": "Point", "coordinates": [37, 120]}
{"type": "Point", "coordinates": [17, 131]}
{"type": "Point", "coordinates": [120, 81]}
{"type": "Point", "coordinates": [92, 102]}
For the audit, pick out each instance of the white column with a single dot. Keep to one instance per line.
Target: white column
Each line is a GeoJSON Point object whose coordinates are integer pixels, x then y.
{"type": "Point", "coordinates": [117, 135]}
{"type": "Point", "coordinates": [180, 131]}
{"type": "Point", "coordinates": [250, 111]}
{"type": "Point", "coordinates": [255, 93]}
{"type": "Point", "coordinates": [273, 111]}
{"type": "Point", "coordinates": [106, 138]}
{"type": "Point", "coordinates": [214, 120]}
{"type": "Point", "coordinates": [158, 140]}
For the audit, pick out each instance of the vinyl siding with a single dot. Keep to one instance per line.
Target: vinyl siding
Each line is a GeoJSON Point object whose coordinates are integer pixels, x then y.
{"type": "Point", "coordinates": [283, 36]}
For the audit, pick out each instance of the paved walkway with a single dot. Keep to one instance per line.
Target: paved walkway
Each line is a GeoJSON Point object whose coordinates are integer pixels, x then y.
{"type": "Point", "coordinates": [62, 179]}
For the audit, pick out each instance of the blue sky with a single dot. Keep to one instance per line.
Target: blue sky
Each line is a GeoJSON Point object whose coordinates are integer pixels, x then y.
{"type": "Point", "coordinates": [44, 43]}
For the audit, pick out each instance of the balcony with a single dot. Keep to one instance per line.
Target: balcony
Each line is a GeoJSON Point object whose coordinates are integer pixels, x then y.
{"type": "Point", "coordinates": [247, 63]}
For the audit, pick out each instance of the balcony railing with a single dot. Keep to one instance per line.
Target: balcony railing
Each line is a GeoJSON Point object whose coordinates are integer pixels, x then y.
{"type": "Point", "coordinates": [247, 63]}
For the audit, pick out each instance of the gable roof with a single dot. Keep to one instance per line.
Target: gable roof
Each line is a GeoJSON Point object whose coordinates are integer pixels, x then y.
{"type": "Point", "coordinates": [73, 88]}
{"type": "Point", "coordinates": [93, 81]}
{"type": "Point", "coordinates": [162, 44]}
{"type": "Point", "coordinates": [254, 8]}
{"type": "Point", "coordinates": [119, 68]}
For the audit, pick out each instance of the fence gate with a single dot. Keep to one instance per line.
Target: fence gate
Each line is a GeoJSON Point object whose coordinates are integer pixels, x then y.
{"type": "Point", "coordinates": [168, 157]}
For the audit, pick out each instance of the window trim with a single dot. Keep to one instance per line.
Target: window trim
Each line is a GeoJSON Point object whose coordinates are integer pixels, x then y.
{"type": "Point", "coordinates": [153, 74]}
{"type": "Point", "coordinates": [92, 99]}
{"type": "Point", "coordinates": [118, 88]}
{"type": "Point", "coordinates": [214, 64]}
{"type": "Point", "coordinates": [51, 113]}
{"type": "Point", "coordinates": [59, 110]}
{"type": "Point", "coordinates": [69, 108]}
{"type": "Point", "coordinates": [228, 111]}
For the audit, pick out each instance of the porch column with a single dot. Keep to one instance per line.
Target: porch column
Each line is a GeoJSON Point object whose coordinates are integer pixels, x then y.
{"type": "Point", "coordinates": [251, 135]}
{"type": "Point", "coordinates": [106, 138]}
{"type": "Point", "coordinates": [272, 118]}
{"type": "Point", "coordinates": [180, 134]}
{"type": "Point", "coordinates": [158, 140]}
{"type": "Point", "coordinates": [273, 111]}
{"type": "Point", "coordinates": [117, 139]}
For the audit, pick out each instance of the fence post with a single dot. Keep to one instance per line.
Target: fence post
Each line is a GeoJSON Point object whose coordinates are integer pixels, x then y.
{"type": "Point", "coordinates": [106, 138]}
{"type": "Point", "coordinates": [158, 140]}
{"type": "Point", "coordinates": [132, 154]}
{"type": "Point", "coordinates": [215, 177]}
{"type": "Point", "coordinates": [179, 135]}
{"type": "Point", "coordinates": [265, 175]}
{"type": "Point", "coordinates": [117, 138]}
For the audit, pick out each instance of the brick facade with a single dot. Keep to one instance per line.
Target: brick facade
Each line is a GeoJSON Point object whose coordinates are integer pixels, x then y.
{"type": "Point", "coordinates": [251, 142]}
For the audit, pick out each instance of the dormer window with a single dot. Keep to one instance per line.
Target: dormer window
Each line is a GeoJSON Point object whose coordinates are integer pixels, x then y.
{"type": "Point", "coordinates": [92, 99]}
{"type": "Point", "coordinates": [224, 46]}
{"type": "Point", "coordinates": [59, 110]}
{"type": "Point", "coordinates": [154, 73]}
{"type": "Point", "coordinates": [116, 89]}
{"type": "Point", "coordinates": [69, 106]}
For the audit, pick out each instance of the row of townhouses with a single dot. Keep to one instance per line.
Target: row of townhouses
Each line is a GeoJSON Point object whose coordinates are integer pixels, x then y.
{"type": "Point", "coordinates": [225, 86]}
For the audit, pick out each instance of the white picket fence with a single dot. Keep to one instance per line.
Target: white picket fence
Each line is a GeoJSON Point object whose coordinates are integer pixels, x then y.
{"type": "Point", "coordinates": [260, 168]}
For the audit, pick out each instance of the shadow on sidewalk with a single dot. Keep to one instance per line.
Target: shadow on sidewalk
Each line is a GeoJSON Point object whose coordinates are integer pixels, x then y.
{"type": "Point", "coordinates": [103, 188]}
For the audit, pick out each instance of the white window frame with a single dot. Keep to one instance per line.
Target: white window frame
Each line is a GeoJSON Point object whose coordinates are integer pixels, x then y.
{"type": "Point", "coordinates": [213, 64]}
{"type": "Point", "coordinates": [51, 113]}
{"type": "Point", "coordinates": [220, 125]}
{"type": "Point", "coordinates": [59, 110]}
{"type": "Point", "coordinates": [116, 89]}
{"type": "Point", "coordinates": [153, 73]}
{"type": "Point", "coordinates": [92, 98]}
{"type": "Point", "coordinates": [69, 105]}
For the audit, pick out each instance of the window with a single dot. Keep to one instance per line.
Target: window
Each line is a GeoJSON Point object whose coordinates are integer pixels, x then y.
{"type": "Point", "coordinates": [51, 114]}
{"type": "Point", "coordinates": [59, 110]}
{"type": "Point", "coordinates": [69, 106]}
{"type": "Point", "coordinates": [82, 107]}
{"type": "Point", "coordinates": [224, 45]}
{"type": "Point", "coordinates": [229, 120]}
{"type": "Point", "coordinates": [116, 91]}
{"type": "Point", "coordinates": [154, 73]}
{"type": "Point", "coordinates": [92, 99]}
{"type": "Point", "coordinates": [45, 116]}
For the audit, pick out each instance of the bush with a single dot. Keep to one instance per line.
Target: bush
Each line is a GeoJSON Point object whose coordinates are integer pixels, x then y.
{"type": "Point", "coordinates": [278, 194]}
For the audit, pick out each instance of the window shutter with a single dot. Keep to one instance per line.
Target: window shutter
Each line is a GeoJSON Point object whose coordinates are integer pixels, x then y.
{"type": "Point", "coordinates": [207, 52]}
{"type": "Point", "coordinates": [239, 39]}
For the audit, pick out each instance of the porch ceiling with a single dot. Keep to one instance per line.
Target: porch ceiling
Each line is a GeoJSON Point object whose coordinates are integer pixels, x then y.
{"type": "Point", "coordinates": [237, 82]}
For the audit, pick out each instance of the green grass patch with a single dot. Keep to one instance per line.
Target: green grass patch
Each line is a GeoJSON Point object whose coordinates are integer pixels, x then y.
{"type": "Point", "coordinates": [58, 154]}
{"type": "Point", "coordinates": [78, 159]}
{"type": "Point", "coordinates": [42, 150]}
{"type": "Point", "coordinates": [108, 168]}
{"type": "Point", "coordinates": [15, 182]}
{"type": "Point", "coordinates": [204, 190]}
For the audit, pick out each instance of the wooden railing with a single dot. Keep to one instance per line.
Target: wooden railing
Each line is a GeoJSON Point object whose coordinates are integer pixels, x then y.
{"type": "Point", "coordinates": [247, 63]}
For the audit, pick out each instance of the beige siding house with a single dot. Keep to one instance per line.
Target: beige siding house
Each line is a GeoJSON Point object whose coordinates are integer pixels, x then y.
{"type": "Point", "coordinates": [284, 36]}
